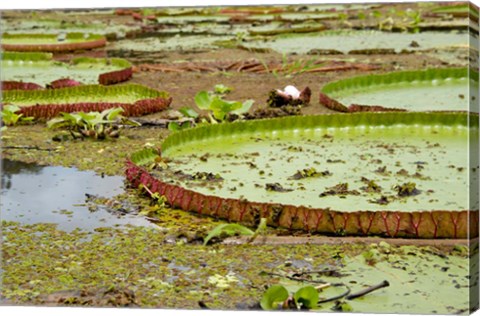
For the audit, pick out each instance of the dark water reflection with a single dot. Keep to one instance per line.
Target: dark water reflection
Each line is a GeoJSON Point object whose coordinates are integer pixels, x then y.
{"type": "Point", "coordinates": [38, 194]}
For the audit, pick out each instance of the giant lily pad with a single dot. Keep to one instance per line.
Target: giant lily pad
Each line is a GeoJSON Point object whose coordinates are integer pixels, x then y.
{"type": "Point", "coordinates": [415, 276]}
{"type": "Point", "coordinates": [358, 41]}
{"type": "Point", "coordinates": [361, 174]}
{"type": "Point", "coordinates": [51, 42]}
{"type": "Point", "coordinates": [55, 26]}
{"type": "Point", "coordinates": [457, 10]}
{"type": "Point", "coordinates": [39, 68]}
{"type": "Point", "coordinates": [170, 43]}
{"type": "Point", "coordinates": [135, 99]}
{"type": "Point", "coordinates": [426, 90]}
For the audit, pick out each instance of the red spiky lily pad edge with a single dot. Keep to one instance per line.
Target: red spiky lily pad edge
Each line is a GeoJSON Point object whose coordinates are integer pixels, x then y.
{"type": "Point", "coordinates": [123, 72]}
{"type": "Point", "coordinates": [419, 224]}
{"type": "Point", "coordinates": [52, 102]}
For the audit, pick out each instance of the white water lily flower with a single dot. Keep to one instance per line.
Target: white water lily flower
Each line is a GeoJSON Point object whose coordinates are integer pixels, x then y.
{"type": "Point", "coordinates": [291, 90]}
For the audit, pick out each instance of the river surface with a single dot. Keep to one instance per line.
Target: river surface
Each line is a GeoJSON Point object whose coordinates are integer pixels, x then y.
{"type": "Point", "coordinates": [44, 194]}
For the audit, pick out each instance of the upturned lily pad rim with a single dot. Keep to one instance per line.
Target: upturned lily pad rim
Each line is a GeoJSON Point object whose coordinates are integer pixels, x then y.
{"type": "Point", "coordinates": [318, 121]}
{"type": "Point", "coordinates": [386, 80]}
{"type": "Point", "coordinates": [120, 63]}
{"type": "Point", "coordinates": [416, 224]}
{"type": "Point", "coordinates": [26, 56]}
{"type": "Point", "coordinates": [117, 64]}
{"type": "Point", "coordinates": [56, 95]}
{"type": "Point", "coordinates": [73, 36]}
{"type": "Point", "coordinates": [75, 41]}
{"type": "Point", "coordinates": [396, 77]}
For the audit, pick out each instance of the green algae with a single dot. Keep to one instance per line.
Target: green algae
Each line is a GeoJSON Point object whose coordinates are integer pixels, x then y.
{"type": "Point", "coordinates": [222, 277]}
{"type": "Point", "coordinates": [416, 275]}
{"type": "Point", "coordinates": [106, 157]}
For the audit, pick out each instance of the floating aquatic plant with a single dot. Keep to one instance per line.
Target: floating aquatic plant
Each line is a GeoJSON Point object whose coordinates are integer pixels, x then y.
{"type": "Point", "coordinates": [33, 70]}
{"type": "Point", "coordinates": [92, 124]}
{"type": "Point", "coordinates": [51, 42]}
{"type": "Point", "coordinates": [136, 100]}
{"type": "Point", "coordinates": [10, 117]}
{"type": "Point", "coordinates": [220, 108]}
{"type": "Point", "coordinates": [248, 200]}
{"type": "Point", "coordinates": [400, 91]}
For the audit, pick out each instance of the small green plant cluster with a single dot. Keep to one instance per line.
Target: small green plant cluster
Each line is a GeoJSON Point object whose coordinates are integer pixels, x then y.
{"type": "Point", "coordinates": [190, 115]}
{"type": "Point", "coordinates": [277, 297]}
{"type": "Point", "coordinates": [410, 22]}
{"type": "Point", "coordinates": [94, 125]}
{"type": "Point", "coordinates": [233, 229]}
{"type": "Point", "coordinates": [218, 107]}
{"type": "Point", "coordinates": [10, 116]}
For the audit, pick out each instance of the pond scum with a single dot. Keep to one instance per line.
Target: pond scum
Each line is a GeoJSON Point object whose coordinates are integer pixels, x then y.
{"type": "Point", "coordinates": [297, 157]}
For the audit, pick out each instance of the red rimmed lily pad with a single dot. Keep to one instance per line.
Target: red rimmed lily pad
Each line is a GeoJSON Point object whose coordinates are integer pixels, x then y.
{"type": "Point", "coordinates": [447, 89]}
{"type": "Point", "coordinates": [136, 100]}
{"type": "Point", "coordinates": [362, 174]}
{"type": "Point", "coordinates": [63, 42]}
{"type": "Point", "coordinates": [22, 70]}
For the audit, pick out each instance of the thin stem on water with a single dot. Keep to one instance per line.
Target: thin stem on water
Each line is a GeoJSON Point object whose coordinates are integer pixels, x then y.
{"type": "Point", "coordinates": [368, 290]}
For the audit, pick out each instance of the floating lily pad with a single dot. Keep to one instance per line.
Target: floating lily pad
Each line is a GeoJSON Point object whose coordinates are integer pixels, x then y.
{"type": "Point", "coordinates": [41, 69]}
{"type": "Point", "coordinates": [457, 10]}
{"type": "Point", "coordinates": [351, 41]}
{"type": "Point", "coordinates": [187, 19]}
{"type": "Point", "coordinates": [172, 43]}
{"type": "Point", "coordinates": [135, 99]}
{"type": "Point", "coordinates": [426, 90]}
{"type": "Point", "coordinates": [51, 26]}
{"type": "Point", "coordinates": [51, 42]}
{"type": "Point", "coordinates": [374, 146]}
{"type": "Point", "coordinates": [415, 276]}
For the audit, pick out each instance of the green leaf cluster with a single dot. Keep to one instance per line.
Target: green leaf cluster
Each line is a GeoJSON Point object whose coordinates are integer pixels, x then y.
{"type": "Point", "coordinates": [92, 124]}
{"type": "Point", "coordinates": [214, 102]}
{"type": "Point", "coordinates": [229, 229]}
{"type": "Point", "coordinates": [277, 297]}
{"type": "Point", "coordinates": [10, 117]}
{"type": "Point", "coordinates": [232, 229]}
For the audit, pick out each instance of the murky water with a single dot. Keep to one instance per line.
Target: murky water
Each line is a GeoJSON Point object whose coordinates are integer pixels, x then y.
{"type": "Point", "coordinates": [43, 194]}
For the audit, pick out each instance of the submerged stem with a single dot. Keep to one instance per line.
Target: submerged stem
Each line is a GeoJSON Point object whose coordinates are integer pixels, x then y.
{"type": "Point", "coordinates": [368, 290]}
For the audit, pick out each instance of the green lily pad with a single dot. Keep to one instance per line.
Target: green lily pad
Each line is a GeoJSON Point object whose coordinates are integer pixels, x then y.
{"type": "Point", "coordinates": [127, 93]}
{"type": "Point", "coordinates": [250, 155]}
{"type": "Point", "coordinates": [458, 10]}
{"type": "Point", "coordinates": [51, 42]}
{"type": "Point", "coordinates": [420, 282]}
{"type": "Point", "coordinates": [133, 98]}
{"type": "Point", "coordinates": [375, 173]}
{"type": "Point", "coordinates": [53, 26]}
{"type": "Point", "coordinates": [41, 69]}
{"type": "Point", "coordinates": [426, 90]}
{"type": "Point", "coordinates": [170, 43]}
{"type": "Point", "coordinates": [346, 41]}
